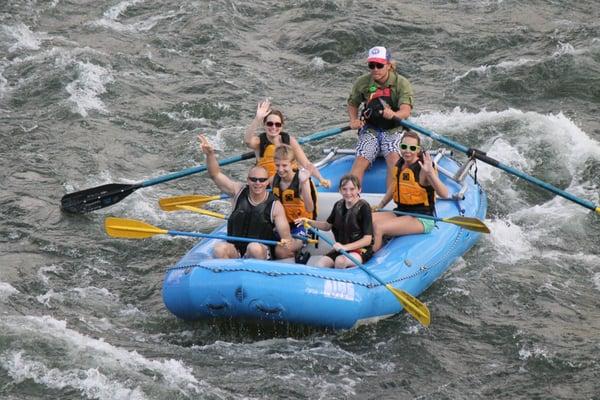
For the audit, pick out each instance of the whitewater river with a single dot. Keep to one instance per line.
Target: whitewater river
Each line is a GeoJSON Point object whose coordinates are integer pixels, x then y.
{"type": "Point", "coordinates": [94, 92]}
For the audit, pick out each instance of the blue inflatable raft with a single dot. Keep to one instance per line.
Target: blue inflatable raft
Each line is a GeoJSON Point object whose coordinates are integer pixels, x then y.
{"type": "Point", "coordinates": [199, 286]}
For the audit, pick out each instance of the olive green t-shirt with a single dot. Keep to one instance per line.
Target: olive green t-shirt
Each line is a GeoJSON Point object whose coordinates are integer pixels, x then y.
{"type": "Point", "coordinates": [402, 92]}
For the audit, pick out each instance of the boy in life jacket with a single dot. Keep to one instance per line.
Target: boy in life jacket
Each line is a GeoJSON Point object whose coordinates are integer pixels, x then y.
{"type": "Point", "coordinates": [294, 189]}
{"type": "Point", "coordinates": [386, 96]}
{"type": "Point", "coordinates": [351, 223]}
{"type": "Point", "coordinates": [415, 184]}
{"type": "Point", "coordinates": [256, 213]}
{"type": "Point", "coordinates": [264, 144]}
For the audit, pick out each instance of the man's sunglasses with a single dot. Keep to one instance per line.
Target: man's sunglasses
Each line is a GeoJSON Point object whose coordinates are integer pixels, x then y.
{"type": "Point", "coordinates": [373, 65]}
{"type": "Point", "coordinates": [271, 123]}
{"type": "Point", "coordinates": [411, 147]}
{"type": "Point", "coordinates": [257, 179]}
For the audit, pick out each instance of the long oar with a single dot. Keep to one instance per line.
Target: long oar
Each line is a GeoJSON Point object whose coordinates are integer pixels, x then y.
{"type": "Point", "coordinates": [410, 303]}
{"type": "Point", "coordinates": [470, 223]}
{"type": "Point", "coordinates": [106, 195]}
{"type": "Point", "coordinates": [133, 229]}
{"type": "Point", "coordinates": [168, 206]}
{"type": "Point", "coordinates": [480, 155]}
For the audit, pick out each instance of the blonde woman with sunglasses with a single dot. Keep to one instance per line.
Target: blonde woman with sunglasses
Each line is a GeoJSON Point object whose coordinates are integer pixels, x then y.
{"type": "Point", "coordinates": [264, 144]}
{"type": "Point", "coordinates": [385, 95]}
{"type": "Point", "coordinates": [414, 187]}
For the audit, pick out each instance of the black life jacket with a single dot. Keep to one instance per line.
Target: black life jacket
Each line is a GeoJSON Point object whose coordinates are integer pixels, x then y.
{"type": "Point", "coordinates": [291, 199]}
{"type": "Point", "coordinates": [346, 224]}
{"type": "Point", "coordinates": [251, 221]}
{"type": "Point", "coordinates": [409, 194]}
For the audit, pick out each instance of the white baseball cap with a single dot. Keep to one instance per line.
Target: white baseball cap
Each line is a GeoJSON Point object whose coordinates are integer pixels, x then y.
{"type": "Point", "coordinates": [379, 54]}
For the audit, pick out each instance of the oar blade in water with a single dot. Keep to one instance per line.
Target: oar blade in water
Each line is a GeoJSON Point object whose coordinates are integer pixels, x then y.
{"type": "Point", "coordinates": [412, 305]}
{"type": "Point", "coordinates": [470, 223]}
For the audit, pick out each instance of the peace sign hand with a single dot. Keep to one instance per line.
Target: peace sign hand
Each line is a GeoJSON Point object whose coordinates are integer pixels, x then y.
{"type": "Point", "coordinates": [205, 145]}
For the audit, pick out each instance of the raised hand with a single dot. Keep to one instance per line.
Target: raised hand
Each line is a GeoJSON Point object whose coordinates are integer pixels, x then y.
{"type": "Point", "coordinates": [263, 109]}
{"type": "Point", "coordinates": [427, 164]}
{"type": "Point", "coordinates": [205, 145]}
{"type": "Point", "coordinates": [303, 175]}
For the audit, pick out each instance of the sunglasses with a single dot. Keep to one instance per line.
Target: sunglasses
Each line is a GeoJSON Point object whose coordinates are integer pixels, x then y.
{"type": "Point", "coordinates": [271, 123]}
{"type": "Point", "coordinates": [373, 65]}
{"type": "Point", "coordinates": [256, 179]}
{"type": "Point", "coordinates": [411, 147]}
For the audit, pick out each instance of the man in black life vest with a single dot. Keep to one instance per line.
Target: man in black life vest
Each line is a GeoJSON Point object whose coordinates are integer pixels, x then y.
{"type": "Point", "coordinates": [386, 95]}
{"type": "Point", "coordinates": [256, 213]}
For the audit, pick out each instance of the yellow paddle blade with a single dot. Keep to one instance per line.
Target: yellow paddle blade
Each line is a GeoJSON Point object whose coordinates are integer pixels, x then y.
{"type": "Point", "coordinates": [130, 228]}
{"type": "Point", "coordinates": [171, 203]}
{"type": "Point", "coordinates": [470, 223]}
{"type": "Point", "coordinates": [201, 211]}
{"type": "Point", "coordinates": [412, 305]}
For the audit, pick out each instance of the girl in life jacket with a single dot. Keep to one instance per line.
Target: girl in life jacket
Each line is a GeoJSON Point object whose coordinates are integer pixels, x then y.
{"type": "Point", "coordinates": [415, 184]}
{"type": "Point", "coordinates": [294, 189]}
{"type": "Point", "coordinates": [351, 223]}
{"type": "Point", "coordinates": [264, 144]}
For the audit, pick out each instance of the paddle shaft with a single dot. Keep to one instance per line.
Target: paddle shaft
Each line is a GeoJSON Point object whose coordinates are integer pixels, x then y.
{"type": "Point", "coordinates": [231, 160]}
{"type": "Point", "coordinates": [482, 156]}
{"type": "Point", "coordinates": [223, 237]}
{"type": "Point", "coordinates": [87, 200]}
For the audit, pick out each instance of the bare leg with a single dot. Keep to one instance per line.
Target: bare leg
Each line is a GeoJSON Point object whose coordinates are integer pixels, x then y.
{"type": "Point", "coordinates": [359, 167]}
{"type": "Point", "coordinates": [284, 252]}
{"type": "Point", "coordinates": [398, 226]}
{"type": "Point", "coordinates": [325, 262]}
{"type": "Point", "coordinates": [390, 160]}
{"type": "Point", "coordinates": [257, 251]}
{"type": "Point", "coordinates": [379, 218]}
{"type": "Point", "coordinates": [342, 261]}
{"type": "Point", "coordinates": [225, 250]}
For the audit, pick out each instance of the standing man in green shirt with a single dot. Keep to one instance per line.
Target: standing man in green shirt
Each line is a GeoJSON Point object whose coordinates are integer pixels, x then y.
{"type": "Point", "coordinates": [385, 95]}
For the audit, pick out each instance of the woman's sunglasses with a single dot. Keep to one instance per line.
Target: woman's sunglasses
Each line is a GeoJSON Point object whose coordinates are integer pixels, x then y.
{"type": "Point", "coordinates": [411, 147]}
{"type": "Point", "coordinates": [271, 123]}
{"type": "Point", "coordinates": [373, 65]}
{"type": "Point", "coordinates": [256, 179]}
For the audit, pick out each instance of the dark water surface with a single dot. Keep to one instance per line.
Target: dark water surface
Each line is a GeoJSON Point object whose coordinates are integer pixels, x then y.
{"type": "Point", "coordinates": [93, 92]}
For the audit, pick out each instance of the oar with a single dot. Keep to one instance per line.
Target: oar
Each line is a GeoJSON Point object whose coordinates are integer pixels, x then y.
{"type": "Point", "coordinates": [480, 155]}
{"type": "Point", "coordinates": [410, 303]}
{"type": "Point", "coordinates": [470, 223]}
{"type": "Point", "coordinates": [194, 200]}
{"type": "Point", "coordinates": [168, 206]}
{"type": "Point", "coordinates": [133, 229]}
{"type": "Point", "coordinates": [106, 195]}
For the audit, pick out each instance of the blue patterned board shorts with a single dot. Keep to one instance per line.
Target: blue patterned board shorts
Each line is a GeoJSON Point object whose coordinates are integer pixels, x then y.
{"type": "Point", "coordinates": [372, 141]}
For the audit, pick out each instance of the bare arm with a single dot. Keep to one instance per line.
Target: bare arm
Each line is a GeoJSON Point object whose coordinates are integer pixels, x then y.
{"type": "Point", "coordinates": [224, 183]}
{"type": "Point", "coordinates": [305, 191]}
{"type": "Point", "coordinates": [305, 162]}
{"type": "Point", "coordinates": [429, 177]}
{"type": "Point", "coordinates": [355, 121]}
{"type": "Point", "coordinates": [281, 222]}
{"type": "Point", "coordinates": [322, 225]}
{"type": "Point", "coordinates": [402, 113]}
{"type": "Point", "coordinates": [250, 137]}
{"type": "Point", "coordinates": [387, 197]}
